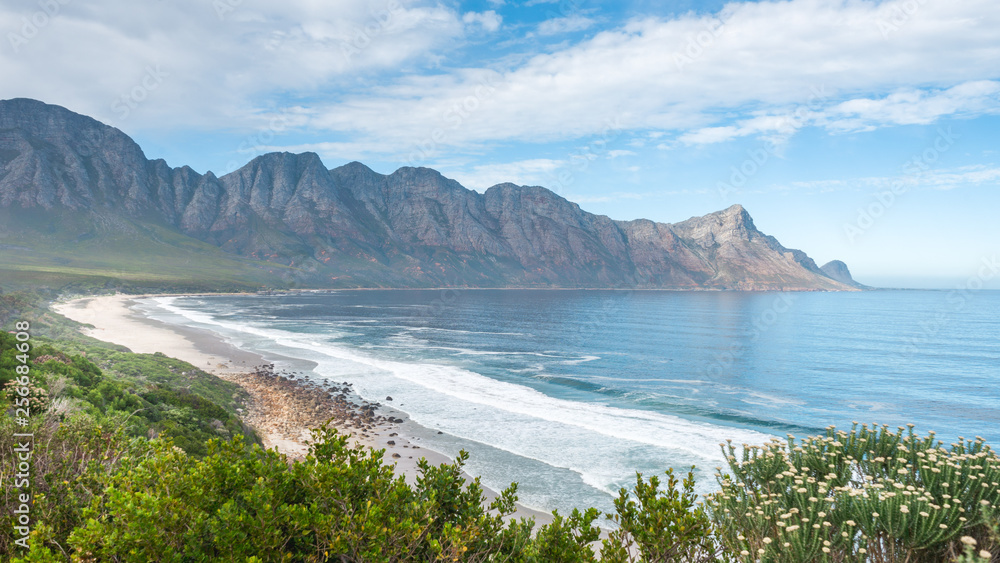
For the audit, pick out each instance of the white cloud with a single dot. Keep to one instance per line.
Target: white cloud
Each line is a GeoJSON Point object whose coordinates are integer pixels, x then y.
{"type": "Point", "coordinates": [707, 135]}
{"type": "Point", "coordinates": [566, 24]}
{"type": "Point", "coordinates": [219, 63]}
{"type": "Point", "coordinates": [615, 196]}
{"type": "Point", "coordinates": [909, 107]}
{"type": "Point", "coordinates": [357, 75]}
{"type": "Point", "coordinates": [767, 59]}
{"type": "Point", "coordinates": [532, 172]}
{"type": "Point", "coordinates": [630, 196]}
{"type": "Point", "coordinates": [904, 107]}
{"type": "Point", "coordinates": [972, 176]}
{"type": "Point", "coordinates": [948, 179]}
{"type": "Point", "coordinates": [613, 154]}
{"type": "Point", "coordinates": [488, 20]}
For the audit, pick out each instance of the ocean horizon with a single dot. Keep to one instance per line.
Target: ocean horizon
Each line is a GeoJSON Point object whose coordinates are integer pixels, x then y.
{"type": "Point", "coordinates": [570, 393]}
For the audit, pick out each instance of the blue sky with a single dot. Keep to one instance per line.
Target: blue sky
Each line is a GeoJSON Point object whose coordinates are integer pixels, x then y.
{"type": "Point", "coordinates": [856, 130]}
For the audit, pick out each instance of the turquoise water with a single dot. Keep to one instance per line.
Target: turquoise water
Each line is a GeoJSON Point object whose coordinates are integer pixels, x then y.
{"type": "Point", "coordinates": [569, 393]}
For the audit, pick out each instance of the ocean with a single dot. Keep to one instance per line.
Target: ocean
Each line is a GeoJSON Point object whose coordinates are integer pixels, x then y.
{"type": "Point", "coordinates": [569, 393]}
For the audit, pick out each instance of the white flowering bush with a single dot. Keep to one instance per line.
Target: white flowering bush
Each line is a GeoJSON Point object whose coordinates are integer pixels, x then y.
{"type": "Point", "coordinates": [867, 495]}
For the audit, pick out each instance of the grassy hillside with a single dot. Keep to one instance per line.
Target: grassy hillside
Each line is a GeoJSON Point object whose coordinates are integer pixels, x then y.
{"type": "Point", "coordinates": [65, 249]}
{"type": "Point", "coordinates": [159, 395]}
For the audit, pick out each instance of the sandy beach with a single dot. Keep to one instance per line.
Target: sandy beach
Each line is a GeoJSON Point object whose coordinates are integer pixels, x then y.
{"type": "Point", "coordinates": [283, 409]}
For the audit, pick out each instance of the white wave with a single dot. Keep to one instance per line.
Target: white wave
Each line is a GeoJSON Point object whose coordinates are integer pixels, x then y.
{"type": "Point", "coordinates": [538, 368]}
{"type": "Point", "coordinates": [651, 380]}
{"type": "Point", "coordinates": [471, 352]}
{"type": "Point", "coordinates": [769, 400]}
{"type": "Point", "coordinates": [594, 440]}
{"type": "Point", "coordinates": [578, 361]}
{"type": "Point", "coordinates": [460, 331]}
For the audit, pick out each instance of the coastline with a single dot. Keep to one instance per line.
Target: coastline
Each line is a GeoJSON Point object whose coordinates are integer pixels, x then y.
{"type": "Point", "coordinates": [283, 407]}
{"type": "Point", "coordinates": [278, 404]}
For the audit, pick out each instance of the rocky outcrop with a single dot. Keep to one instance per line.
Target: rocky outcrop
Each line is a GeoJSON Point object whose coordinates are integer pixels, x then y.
{"type": "Point", "coordinates": [837, 270]}
{"type": "Point", "coordinates": [350, 226]}
{"type": "Point", "coordinates": [289, 406]}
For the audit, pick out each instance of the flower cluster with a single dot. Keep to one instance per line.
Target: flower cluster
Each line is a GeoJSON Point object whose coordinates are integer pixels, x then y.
{"type": "Point", "coordinates": [870, 494]}
{"type": "Point", "coordinates": [37, 396]}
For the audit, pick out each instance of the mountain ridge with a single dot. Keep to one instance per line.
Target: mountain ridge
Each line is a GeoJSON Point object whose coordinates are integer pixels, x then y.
{"type": "Point", "coordinates": [303, 224]}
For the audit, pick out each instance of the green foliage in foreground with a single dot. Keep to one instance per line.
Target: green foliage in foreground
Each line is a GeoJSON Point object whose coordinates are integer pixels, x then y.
{"type": "Point", "coordinates": [109, 498]}
{"type": "Point", "coordinates": [133, 461]}
{"type": "Point", "coordinates": [156, 394]}
{"type": "Point", "coordinates": [870, 494]}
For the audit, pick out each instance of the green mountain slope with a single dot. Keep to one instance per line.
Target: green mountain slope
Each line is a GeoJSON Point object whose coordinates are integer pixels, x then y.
{"type": "Point", "coordinates": [60, 247]}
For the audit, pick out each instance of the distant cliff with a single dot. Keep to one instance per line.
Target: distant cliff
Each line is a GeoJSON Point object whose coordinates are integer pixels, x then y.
{"type": "Point", "coordinates": [302, 224]}
{"type": "Point", "coordinates": [837, 270]}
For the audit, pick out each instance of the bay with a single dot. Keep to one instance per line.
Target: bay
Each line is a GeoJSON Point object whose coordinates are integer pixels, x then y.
{"type": "Point", "coordinates": [570, 392]}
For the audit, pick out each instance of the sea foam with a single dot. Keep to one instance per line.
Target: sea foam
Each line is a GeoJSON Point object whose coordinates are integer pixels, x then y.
{"type": "Point", "coordinates": [605, 445]}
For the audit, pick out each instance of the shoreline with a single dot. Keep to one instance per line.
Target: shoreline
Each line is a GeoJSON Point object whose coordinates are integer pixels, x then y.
{"type": "Point", "coordinates": [283, 406]}
{"type": "Point", "coordinates": [278, 398]}
{"type": "Point", "coordinates": [277, 292]}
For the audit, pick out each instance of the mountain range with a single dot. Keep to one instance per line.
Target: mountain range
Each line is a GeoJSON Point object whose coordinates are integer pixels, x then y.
{"type": "Point", "coordinates": [79, 199]}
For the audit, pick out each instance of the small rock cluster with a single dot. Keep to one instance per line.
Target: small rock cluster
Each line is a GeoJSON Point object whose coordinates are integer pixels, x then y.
{"type": "Point", "coordinates": [288, 405]}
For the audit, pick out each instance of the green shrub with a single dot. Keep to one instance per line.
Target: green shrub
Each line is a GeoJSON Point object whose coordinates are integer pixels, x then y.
{"type": "Point", "coordinates": [69, 462]}
{"type": "Point", "coordinates": [340, 504]}
{"type": "Point", "coordinates": [865, 495]}
{"type": "Point", "coordinates": [659, 526]}
{"type": "Point", "coordinates": [566, 539]}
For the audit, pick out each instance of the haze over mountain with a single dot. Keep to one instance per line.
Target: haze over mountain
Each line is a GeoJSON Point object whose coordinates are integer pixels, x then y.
{"type": "Point", "coordinates": [840, 272]}
{"type": "Point", "coordinates": [80, 197]}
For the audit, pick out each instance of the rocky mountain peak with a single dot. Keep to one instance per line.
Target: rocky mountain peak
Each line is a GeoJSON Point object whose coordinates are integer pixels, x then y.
{"type": "Point", "coordinates": [283, 159]}
{"type": "Point", "coordinates": [731, 225]}
{"type": "Point", "coordinates": [351, 226]}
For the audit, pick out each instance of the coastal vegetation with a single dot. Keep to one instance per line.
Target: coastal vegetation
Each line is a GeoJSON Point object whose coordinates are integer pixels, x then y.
{"type": "Point", "coordinates": [868, 494]}
{"type": "Point", "coordinates": [143, 458]}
